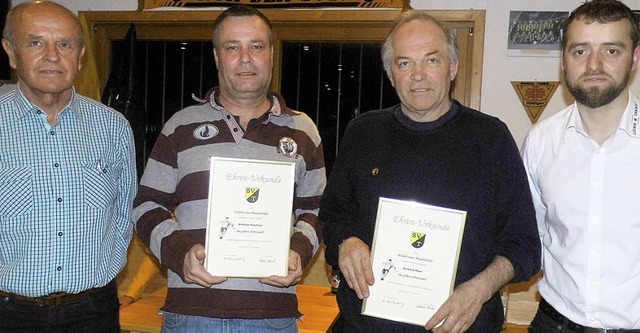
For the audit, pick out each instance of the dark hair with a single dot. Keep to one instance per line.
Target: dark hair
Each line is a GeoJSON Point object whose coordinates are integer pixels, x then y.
{"type": "Point", "coordinates": [239, 11]}
{"type": "Point", "coordinates": [603, 11]}
{"type": "Point", "coordinates": [415, 15]}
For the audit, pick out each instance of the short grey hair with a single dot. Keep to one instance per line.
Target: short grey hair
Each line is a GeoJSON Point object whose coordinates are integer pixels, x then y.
{"type": "Point", "coordinates": [415, 15]}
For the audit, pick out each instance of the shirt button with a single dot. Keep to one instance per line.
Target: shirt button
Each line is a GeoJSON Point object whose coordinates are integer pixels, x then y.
{"type": "Point", "coordinates": [59, 200]}
{"type": "Point", "coordinates": [52, 132]}
{"type": "Point", "coordinates": [58, 268]}
{"type": "Point", "coordinates": [228, 117]}
{"type": "Point", "coordinates": [60, 234]}
{"type": "Point", "coordinates": [235, 129]}
{"type": "Point", "coordinates": [56, 165]}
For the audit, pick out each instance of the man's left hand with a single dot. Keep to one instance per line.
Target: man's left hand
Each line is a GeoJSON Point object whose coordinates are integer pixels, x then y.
{"type": "Point", "coordinates": [460, 310]}
{"type": "Point", "coordinates": [293, 277]}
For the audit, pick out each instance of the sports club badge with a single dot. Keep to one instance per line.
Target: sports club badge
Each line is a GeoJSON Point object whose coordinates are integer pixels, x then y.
{"type": "Point", "coordinates": [252, 194]}
{"type": "Point", "coordinates": [417, 239]}
{"type": "Point", "coordinates": [288, 147]}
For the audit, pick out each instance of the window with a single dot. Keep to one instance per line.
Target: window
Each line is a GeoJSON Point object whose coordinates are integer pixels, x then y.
{"type": "Point", "coordinates": [327, 63]}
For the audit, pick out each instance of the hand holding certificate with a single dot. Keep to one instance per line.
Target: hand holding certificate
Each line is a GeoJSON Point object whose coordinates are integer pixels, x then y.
{"type": "Point", "coordinates": [249, 219]}
{"type": "Point", "coordinates": [414, 258]}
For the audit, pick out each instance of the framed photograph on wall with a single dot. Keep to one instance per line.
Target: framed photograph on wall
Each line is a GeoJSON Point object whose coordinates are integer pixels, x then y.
{"type": "Point", "coordinates": [535, 34]}
{"type": "Point", "coordinates": [5, 69]}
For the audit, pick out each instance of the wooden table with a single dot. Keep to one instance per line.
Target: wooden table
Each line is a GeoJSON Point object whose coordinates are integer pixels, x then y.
{"type": "Point", "coordinates": [317, 304]}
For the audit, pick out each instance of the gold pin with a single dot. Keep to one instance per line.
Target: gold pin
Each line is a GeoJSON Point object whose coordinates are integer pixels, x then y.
{"type": "Point", "coordinates": [374, 171]}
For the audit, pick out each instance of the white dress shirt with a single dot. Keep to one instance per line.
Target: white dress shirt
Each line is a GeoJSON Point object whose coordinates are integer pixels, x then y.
{"type": "Point", "coordinates": [587, 200]}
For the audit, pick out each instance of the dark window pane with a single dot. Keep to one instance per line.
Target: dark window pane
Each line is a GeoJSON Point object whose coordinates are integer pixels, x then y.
{"type": "Point", "coordinates": [332, 82]}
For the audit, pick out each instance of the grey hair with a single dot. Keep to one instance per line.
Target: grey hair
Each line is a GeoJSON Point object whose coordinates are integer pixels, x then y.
{"type": "Point", "coordinates": [415, 15]}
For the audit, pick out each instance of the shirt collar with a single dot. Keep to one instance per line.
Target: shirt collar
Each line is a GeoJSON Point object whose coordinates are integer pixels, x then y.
{"type": "Point", "coordinates": [25, 105]}
{"type": "Point", "coordinates": [629, 122]}
{"type": "Point", "coordinates": [278, 106]}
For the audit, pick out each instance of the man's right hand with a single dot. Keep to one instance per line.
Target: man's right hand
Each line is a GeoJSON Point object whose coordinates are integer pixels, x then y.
{"type": "Point", "coordinates": [354, 259]}
{"type": "Point", "coordinates": [193, 269]}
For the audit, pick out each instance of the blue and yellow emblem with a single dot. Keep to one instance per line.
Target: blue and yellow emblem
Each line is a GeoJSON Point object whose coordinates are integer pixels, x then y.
{"type": "Point", "coordinates": [417, 239]}
{"type": "Point", "coordinates": [252, 194]}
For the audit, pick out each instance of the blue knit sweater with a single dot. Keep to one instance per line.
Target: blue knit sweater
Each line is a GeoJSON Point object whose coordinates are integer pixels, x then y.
{"type": "Point", "coordinates": [465, 160]}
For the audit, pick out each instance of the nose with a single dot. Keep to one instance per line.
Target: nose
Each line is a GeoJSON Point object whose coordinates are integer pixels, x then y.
{"type": "Point", "coordinates": [245, 56]}
{"type": "Point", "coordinates": [417, 72]}
{"type": "Point", "coordinates": [52, 53]}
{"type": "Point", "coordinates": [594, 62]}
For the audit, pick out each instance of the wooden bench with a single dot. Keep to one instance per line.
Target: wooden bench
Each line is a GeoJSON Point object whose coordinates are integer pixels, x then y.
{"type": "Point", "coordinates": [317, 304]}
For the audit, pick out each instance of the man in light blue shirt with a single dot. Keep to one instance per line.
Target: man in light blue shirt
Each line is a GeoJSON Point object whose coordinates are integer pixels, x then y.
{"type": "Point", "coordinates": [67, 182]}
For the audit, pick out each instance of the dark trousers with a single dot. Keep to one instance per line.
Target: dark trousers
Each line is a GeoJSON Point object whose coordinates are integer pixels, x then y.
{"type": "Point", "coordinates": [542, 323]}
{"type": "Point", "coordinates": [549, 320]}
{"type": "Point", "coordinates": [96, 312]}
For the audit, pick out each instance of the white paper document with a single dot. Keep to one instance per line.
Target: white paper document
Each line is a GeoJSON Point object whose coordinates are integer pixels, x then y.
{"type": "Point", "coordinates": [249, 220]}
{"type": "Point", "coordinates": [414, 254]}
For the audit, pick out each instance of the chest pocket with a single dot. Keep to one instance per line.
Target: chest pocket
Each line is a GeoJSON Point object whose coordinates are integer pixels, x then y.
{"type": "Point", "coordinates": [16, 192]}
{"type": "Point", "coordinates": [99, 184]}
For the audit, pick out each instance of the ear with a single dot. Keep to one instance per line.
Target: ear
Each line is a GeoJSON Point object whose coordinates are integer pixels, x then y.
{"type": "Point", "coordinates": [453, 70]}
{"type": "Point", "coordinates": [84, 48]}
{"type": "Point", "coordinates": [390, 77]}
{"type": "Point", "coordinates": [6, 45]}
{"type": "Point", "coordinates": [635, 57]}
{"type": "Point", "coordinates": [215, 56]}
{"type": "Point", "coordinates": [562, 61]}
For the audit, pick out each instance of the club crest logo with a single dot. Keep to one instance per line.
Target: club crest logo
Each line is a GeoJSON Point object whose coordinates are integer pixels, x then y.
{"type": "Point", "coordinates": [288, 147]}
{"type": "Point", "coordinates": [205, 132]}
{"type": "Point", "coordinates": [417, 239]}
{"type": "Point", "coordinates": [252, 194]}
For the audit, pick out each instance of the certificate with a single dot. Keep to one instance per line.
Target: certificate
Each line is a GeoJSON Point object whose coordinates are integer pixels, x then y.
{"type": "Point", "coordinates": [414, 256]}
{"type": "Point", "coordinates": [249, 219]}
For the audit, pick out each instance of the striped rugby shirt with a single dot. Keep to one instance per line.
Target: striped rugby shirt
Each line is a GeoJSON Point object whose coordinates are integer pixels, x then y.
{"type": "Point", "coordinates": [176, 181]}
{"type": "Point", "coordinates": [66, 194]}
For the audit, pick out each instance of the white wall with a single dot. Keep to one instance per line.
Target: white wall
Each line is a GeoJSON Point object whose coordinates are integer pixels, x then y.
{"type": "Point", "coordinates": [498, 96]}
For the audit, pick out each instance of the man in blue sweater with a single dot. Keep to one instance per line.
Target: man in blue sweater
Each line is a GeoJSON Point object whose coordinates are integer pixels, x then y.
{"type": "Point", "coordinates": [433, 150]}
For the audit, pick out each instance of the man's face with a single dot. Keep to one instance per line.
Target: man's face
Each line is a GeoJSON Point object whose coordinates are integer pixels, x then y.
{"type": "Point", "coordinates": [244, 57]}
{"type": "Point", "coordinates": [46, 52]}
{"type": "Point", "coordinates": [421, 71]}
{"type": "Point", "coordinates": [597, 61]}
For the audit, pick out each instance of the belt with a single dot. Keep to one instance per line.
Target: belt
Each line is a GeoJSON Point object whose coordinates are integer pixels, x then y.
{"type": "Point", "coordinates": [51, 299]}
{"type": "Point", "coordinates": [548, 310]}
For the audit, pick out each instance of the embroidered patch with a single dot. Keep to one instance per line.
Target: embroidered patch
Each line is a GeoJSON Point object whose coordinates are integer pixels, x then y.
{"type": "Point", "coordinates": [288, 147]}
{"type": "Point", "coordinates": [205, 132]}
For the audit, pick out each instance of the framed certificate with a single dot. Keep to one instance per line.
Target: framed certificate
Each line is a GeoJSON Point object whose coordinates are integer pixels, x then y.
{"type": "Point", "coordinates": [249, 221]}
{"type": "Point", "coordinates": [414, 256]}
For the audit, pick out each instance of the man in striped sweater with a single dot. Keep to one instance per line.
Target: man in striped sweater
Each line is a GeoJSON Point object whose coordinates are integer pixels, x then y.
{"type": "Point", "coordinates": [240, 119]}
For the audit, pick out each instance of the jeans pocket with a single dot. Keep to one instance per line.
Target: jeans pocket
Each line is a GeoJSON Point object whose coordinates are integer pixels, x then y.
{"type": "Point", "coordinates": [172, 320]}
{"type": "Point", "coordinates": [280, 323]}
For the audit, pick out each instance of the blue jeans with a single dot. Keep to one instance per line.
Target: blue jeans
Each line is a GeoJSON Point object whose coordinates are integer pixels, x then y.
{"type": "Point", "coordinates": [175, 323]}
{"type": "Point", "coordinates": [97, 312]}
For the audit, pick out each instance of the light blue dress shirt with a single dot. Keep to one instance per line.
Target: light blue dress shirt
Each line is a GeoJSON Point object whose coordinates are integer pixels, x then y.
{"type": "Point", "coordinates": [66, 194]}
